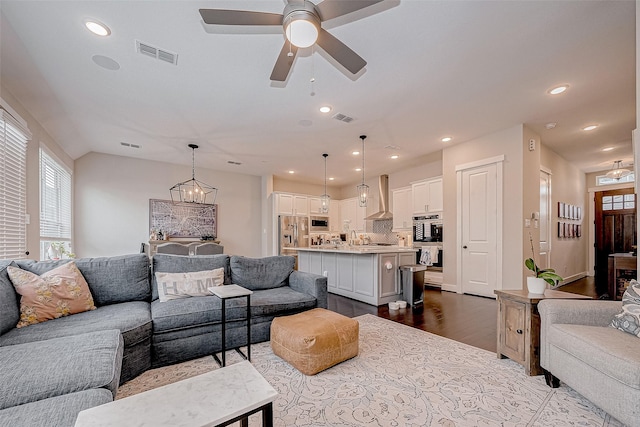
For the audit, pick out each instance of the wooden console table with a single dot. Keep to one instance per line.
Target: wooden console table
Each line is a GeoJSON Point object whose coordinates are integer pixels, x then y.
{"type": "Point", "coordinates": [519, 326]}
{"type": "Point", "coordinates": [622, 268]}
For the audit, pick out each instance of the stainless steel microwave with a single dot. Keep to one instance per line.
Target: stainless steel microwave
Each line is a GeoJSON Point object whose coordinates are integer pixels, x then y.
{"type": "Point", "coordinates": [319, 224]}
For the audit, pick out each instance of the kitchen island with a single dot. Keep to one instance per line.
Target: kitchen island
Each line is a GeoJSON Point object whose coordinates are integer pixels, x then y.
{"type": "Point", "coordinates": [369, 274]}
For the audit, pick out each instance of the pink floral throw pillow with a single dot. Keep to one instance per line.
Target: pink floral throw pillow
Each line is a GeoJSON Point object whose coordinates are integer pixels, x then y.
{"type": "Point", "coordinates": [57, 293]}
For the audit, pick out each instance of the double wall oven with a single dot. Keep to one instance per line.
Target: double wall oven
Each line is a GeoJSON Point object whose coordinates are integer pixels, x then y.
{"type": "Point", "coordinates": [427, 238]}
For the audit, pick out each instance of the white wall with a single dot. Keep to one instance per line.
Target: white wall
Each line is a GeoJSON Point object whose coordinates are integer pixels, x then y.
{"type": "Point", "coordinates": [292, 186]}
{"type": "Point", "coordinates": [112, 204]}
{"type": "Point", "coordinates": [431, 167]}
{"type": "Point", "coordinates": [568, 185]}
{"type": "Point", "coordinates": [530, 197]}
{"type": "Point", "coordinates": [508, 142]}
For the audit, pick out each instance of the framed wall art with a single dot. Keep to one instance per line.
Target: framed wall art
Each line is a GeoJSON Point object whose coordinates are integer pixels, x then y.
{"type": "Point", "coordinates": [188, 220]}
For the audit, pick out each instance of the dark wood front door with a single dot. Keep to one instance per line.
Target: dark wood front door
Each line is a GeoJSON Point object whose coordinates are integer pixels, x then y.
{"type": "Point", "coordinates": [615, 223]}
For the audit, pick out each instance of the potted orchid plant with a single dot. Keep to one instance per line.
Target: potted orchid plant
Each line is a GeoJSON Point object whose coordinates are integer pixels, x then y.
{"type": "Point", "coordinates": [537, 283]}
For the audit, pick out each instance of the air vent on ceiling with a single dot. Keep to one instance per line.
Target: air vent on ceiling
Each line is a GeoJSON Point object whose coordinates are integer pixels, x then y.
{"type": "Point", "coordinates": [126, 144]}
{"type": "Point", "coordinates": [155, 52]}
{"type": "Point", "coordinates": [392, 147]}
{"type": "Point", "coordinates": [343, 118]}
{"type": "Point", "coordinates": [231, 162]}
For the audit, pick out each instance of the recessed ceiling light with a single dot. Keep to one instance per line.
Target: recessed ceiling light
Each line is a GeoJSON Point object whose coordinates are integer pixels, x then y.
{"type": "Point", "coordinates": [325, 109]}
{"type": "Point", "coordinates": [355, 153]}
{"type": "Point", "coordinates": [558, 89]}
{"type": "Point", "coordinates": [331, 179]}
{"type": "Point", "coordinates": [590, 127]}
{"type": "Point", "coordinates": [97, 28]}
{"type": "Point", "coordinates": [608, 149]}
{"type": "Point", "coordinates": [550, 125]}
{"type": "Point", "coordinates": [358, 169]}
{"type": "Point", "coordinates": [446, 139]}
{"type": "Point", "coordinates": [395, 156]}
{"type": "Point", "coordinates": [291, 172]}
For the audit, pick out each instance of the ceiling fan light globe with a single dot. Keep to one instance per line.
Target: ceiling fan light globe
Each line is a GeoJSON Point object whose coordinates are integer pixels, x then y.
{"type": "Point", "coordinates": [301, 30]}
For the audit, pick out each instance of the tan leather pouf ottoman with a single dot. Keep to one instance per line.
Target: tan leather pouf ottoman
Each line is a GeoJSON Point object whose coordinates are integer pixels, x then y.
{"type": "Point", "coordinates": [314, 340]}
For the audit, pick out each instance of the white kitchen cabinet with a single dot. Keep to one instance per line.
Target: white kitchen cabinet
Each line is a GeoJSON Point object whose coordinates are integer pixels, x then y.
{"type": "Point", "coordinates": [344, 274]}
{"type": "Point", "coordinates": [291, 204]}
{"type": "Point", "coordinates": [335, 221]}
{"type": "Point", "coordinates": [364, 277]}
{"type": "Point", "coordinates": [351, 210]}
{"type": "Point", "coordinates": [330, 269]}
{"type": "Point", "coordinates": [402, 209]}
{"type": "Point", "coordinates": [427, 196]}
{"type": "Point", "coordinates": [436, 200]}
{"type": "Point", "coordinates": [389, 282]}
{"type": "Point", "coordinates": [361, 214]}
{"type": "Point", "coordinates": [315, 207]}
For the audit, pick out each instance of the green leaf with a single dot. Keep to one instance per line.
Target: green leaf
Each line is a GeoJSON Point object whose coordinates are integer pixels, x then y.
{"type": "Point", "coordinates": [530, 265]}
{"type": "Point", "coordinates": [550, 277]}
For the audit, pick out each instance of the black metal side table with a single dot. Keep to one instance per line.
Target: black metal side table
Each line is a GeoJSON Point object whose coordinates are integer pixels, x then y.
{"type": "Point", "coordinates": [229, 292]}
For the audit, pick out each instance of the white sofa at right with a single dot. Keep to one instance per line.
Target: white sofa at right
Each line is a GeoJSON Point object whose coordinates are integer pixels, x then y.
{"type": "Point", "coordinates": [579, 348]}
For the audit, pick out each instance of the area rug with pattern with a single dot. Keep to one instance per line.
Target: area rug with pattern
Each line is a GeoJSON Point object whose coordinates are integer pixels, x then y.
{"type": "Point", "coordinates": [402, 376]}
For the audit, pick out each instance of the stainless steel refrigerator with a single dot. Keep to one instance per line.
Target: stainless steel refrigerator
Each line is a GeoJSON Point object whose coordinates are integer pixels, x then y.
{"type": "Point", "coordinates": [293, 232]}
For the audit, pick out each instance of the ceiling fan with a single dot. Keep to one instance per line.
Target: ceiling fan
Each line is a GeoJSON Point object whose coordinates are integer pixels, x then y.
{"type": "Point", "coordinates": [302, 23]}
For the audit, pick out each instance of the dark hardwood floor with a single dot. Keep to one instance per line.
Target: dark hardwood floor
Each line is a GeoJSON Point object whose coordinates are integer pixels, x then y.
{"type": "Point", "coordinates": [469, 319]}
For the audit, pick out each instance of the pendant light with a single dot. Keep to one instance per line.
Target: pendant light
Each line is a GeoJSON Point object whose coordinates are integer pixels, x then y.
{"type": "Point", "coordinates": [192, 190]}
{"type": "Point", "coordinates": [325, 199]}
{"type": "Point", "coordinates": [363, 189]}
{"type": "Point", "coordinates": [618, 172]}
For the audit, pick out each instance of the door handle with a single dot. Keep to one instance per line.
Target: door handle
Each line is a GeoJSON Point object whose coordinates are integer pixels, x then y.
{"type": "Point", "coordinates": [519, 331]}
{"type": "Point", "coordinates": [464, 247]}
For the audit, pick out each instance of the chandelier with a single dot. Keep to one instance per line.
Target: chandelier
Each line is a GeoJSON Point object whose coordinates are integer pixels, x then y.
{"type": "Point", "coordinates": [617, 171]}
{"type": "Point", "coordinates": [363, 189]}
{"type": "Point", "coordinates": [325, 199]}
{"type": "Point", "coordinates": [192, 190]}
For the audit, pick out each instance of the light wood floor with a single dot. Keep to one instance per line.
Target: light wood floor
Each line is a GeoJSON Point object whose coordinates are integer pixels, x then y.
{"type": "Point", "coordinates": [465, 318]}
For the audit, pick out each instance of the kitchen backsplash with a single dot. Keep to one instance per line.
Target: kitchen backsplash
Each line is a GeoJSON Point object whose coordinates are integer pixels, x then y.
{"type": "Point", "coordinates": [380, 232]}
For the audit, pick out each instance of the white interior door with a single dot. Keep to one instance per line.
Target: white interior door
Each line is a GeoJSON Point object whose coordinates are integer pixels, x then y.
{"type": "Point", "coordinates": [545, 219]}
{"type": "Point", "coordinates": [479, 212]}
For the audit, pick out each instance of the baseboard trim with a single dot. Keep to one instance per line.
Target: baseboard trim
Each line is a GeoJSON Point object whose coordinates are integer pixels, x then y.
{"type": "Point", "coordinates": [573, 278]}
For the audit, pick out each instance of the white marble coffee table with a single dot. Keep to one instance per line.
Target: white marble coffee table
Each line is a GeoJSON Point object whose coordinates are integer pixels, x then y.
{"type": "Point", "coordinates": [217, 398]}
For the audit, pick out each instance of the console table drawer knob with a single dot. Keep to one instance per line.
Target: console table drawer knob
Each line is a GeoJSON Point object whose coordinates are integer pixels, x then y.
{"type": "Point", "coordinates": [519, 331]}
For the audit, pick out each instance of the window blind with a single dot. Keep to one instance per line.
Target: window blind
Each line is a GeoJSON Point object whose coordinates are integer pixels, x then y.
{"type": "Point", "coordinates": [13, 187]}
{"type": "Point", "coordinates": [55, 199]}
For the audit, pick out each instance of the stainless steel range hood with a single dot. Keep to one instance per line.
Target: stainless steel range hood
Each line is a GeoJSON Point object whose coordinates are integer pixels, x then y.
{"type": "Point", "coordinates": [383, 212]}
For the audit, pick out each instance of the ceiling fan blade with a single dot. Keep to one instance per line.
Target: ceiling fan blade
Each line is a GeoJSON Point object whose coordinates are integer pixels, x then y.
{"type": "Point", "coordinates": [239, 17]}
{"type": "Point", "coordinates": [329, 9]}
{"type": "Point", "coordinates": [340, 52]}
{"type": "Point", "coordinates": [284, 62]}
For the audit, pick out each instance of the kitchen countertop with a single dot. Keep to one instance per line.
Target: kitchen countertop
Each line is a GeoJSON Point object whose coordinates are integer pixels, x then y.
{"type": "Point", "coordinates": [358, 249]}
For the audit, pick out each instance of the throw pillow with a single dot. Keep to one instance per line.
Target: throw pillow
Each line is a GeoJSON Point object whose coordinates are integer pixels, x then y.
{"type": "Point", "coordinates": [629, 319]}
{"type": "Point", "coordinates": [261, 273]}
{"type": "Point", "coordinates": [184, 285]}
{"type": "Point", "coordinates": [57, 293]}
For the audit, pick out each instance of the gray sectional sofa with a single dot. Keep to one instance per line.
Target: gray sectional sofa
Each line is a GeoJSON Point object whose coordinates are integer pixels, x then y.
{"type": "Point", "coordinates": [52, 370]}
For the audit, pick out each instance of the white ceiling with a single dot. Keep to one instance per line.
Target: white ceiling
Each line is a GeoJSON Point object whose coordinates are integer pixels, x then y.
{"type": "Point", "coordinates": [435, 68]}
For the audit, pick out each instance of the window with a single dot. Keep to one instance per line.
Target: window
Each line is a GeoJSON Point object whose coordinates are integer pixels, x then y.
{"type": "Point", "coordinates": [55, 208]}
{"type": "Point", "coordinates": [604, 180]}
{"type": "Point", "coordinates": [623, 201]}
{"type": "Point", "coordinates": [13, 186]}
